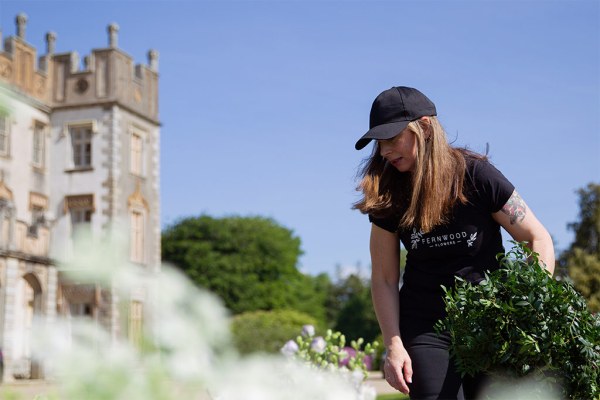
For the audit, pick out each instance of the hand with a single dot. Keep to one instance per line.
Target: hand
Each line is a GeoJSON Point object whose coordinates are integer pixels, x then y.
{"type": "Point", "coordinates": [397, 368]}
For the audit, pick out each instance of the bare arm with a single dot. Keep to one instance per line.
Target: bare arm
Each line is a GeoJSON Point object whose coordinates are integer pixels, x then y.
{"type": "Point", "coordinates": [523, 226]}
{"type": "Point", "coordinates": [385, 277]}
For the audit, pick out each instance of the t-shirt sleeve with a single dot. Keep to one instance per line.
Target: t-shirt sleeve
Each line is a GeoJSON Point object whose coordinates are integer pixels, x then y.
{"type": "Point", "coordinates": [389, 224]}
{"type": "Point", "coordinates": [492, 187]}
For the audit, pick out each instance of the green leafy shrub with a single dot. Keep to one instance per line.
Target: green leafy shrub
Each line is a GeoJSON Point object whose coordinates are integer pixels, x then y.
{"type": "Point", "coordinates": [266, 331]}
{"type": "Point", "coordinates": [519, 321]}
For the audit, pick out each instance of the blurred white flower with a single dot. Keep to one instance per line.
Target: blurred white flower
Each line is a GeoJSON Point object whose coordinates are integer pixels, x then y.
{"type": "Point", "coordinates": [527, 387]}
{"type": "Point", "coordinates": [357, 377]}
{"type": "Point", "coordinates": [318, 344]}
{"type": "Point", "coordinates": [367, 392]}
{"type": "Point", "coordinates": [84, 359]}
{"type": "Point", "coordinates": [271, 378]}
{"type": "Point", "coordinates": [100, 260]}
{"type": "Point", "coordinates": [189, 325]}
{"type": "Point", "coordinates": [186, 350]}
{"type": "Point", "coordinates": [289, 348]}
{"type": "Point", "coordinates": [308, 330]}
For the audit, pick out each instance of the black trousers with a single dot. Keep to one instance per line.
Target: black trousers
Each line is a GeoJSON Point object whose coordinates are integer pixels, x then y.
{"type": "Point", "coordinates": [434, 373]}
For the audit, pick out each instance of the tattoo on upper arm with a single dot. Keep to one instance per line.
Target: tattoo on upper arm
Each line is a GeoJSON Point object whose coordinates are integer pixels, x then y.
{"type": "Point", "coordinates": [515, 208]}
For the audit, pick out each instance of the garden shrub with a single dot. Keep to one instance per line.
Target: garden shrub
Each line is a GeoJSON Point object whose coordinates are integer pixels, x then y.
{"type": "Point", "coordinates": [267, 331]}
{"type": "Point", "coordinates": [520, 321]}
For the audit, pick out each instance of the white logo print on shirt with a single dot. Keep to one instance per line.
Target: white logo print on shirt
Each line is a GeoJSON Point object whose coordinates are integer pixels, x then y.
{"type": "Point", "coordinates": [472, 239]}
{"type": "Point", "coordinates": [416, 237]}
{"type": "Point", "coordinates": [446, 239]}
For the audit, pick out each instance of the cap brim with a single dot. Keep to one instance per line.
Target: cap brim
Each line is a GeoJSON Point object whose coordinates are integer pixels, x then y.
{"type": "Point", "coordinates": [381, 132]}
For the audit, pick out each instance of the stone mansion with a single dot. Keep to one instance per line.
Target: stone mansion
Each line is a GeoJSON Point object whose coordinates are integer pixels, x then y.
{"type": "Point", "coordinates": [79, 148]}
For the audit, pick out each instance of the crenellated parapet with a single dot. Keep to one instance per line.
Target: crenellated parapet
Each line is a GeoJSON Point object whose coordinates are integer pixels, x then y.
{"type": "Point", "coordinates": [106, 76]}
{"type": "Point", "coordinates": [17, 65]}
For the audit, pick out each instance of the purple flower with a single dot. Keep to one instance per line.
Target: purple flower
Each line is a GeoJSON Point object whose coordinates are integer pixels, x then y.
{"type": "Point", "coordinates": [289, 348]}
{"type": "Point", "coordinates": [308, 330]}
{"type": "Point", "coordinates": [318, 344]}
{"type": "Point", "coordinates": [347, 354]}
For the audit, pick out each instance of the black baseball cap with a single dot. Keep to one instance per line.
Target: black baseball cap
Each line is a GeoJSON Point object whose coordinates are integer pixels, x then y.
{"type": "Point", "coordinates": [392, 111]}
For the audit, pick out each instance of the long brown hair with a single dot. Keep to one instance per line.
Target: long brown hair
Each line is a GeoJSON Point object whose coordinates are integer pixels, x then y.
{"type": "Point", "coordinates": [424, 198]}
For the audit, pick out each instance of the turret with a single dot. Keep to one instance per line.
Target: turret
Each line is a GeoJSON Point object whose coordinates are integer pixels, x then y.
{"type": "Point", "coordinates": [109, 74]}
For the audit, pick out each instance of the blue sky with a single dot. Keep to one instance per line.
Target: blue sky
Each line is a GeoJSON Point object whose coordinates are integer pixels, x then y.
{"type": "Point", "coordinates": [261, 101]}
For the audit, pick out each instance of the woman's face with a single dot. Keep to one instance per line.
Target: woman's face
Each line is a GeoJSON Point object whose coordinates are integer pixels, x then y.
{"type": "Point", "coordinates": [400, 151]}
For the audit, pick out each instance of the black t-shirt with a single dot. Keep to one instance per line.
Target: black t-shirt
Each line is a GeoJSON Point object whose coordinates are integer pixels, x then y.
{"type": "Point", "coordinates": [466, 246]}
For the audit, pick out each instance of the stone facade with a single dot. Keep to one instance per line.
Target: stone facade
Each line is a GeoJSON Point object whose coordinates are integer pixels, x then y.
{"type": "Point", "coordinates": [79, 148]}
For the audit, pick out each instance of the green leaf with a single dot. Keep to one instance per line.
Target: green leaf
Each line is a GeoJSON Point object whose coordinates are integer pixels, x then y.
{"type": "Point", "coordinates": [522, 321]}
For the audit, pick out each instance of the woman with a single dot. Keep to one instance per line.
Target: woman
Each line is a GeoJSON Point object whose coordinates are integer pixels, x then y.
{"type": "Point", "coordinates": [446, 206]}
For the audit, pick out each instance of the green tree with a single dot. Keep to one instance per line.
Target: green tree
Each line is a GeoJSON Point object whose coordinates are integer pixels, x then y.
{"type": "Point", "coordinates": [308, 294]}
{"type": "Point", "coordinates": [587, 228]}
{"type": "Point", "coordinates": [250, 262]}
{"type": "Point", "coordinates": [582, 259]}
{"type": "Point", "coordinates": [357, 318]}
{"type": "Point", "coordinates": [584, 270]}
{"type": "Point", "coordinates": [340, 294]}
{"type": "Point", "coordinates": [352, 308]}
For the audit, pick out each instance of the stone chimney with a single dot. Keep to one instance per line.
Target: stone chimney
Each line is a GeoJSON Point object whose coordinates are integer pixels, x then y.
{"type": "Point", "coordinates": [21, 25]}
{"type": "Point", "coordinates": [50, 42]}
{"type": "Point", "coordinates": [153, 60]}
{"type": "Point", "coordinates": [113, 37]}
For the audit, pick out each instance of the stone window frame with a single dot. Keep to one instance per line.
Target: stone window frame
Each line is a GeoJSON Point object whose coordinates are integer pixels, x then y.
{"type": "Point", "coordinates": [138, 205]}
{"type": "Point", "coordinates": [80, 209]}
{"type": "Point", "coordinates": [39, 129]}
{"type": "Point", "coordinates": [137, 229]}
{"type": "Point", "coordinates": [5, 134]}
{"type": "Point", "coordinates": [135, 322]}
{"type": "Point", "coordinates": [68, 128]}
{"type": "Point", "coordinates": [137, 168]}
{"type": "Point", "coordinates": [38, 206]}
{"type": "Point", "coordinates": [7, 216]}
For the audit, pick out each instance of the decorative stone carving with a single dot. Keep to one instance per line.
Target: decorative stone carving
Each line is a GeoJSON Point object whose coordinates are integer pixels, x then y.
{"type": "Point", "coordinates": [38, 200]}
{"type": "Point", "coordinates": [5, 192]}
{"type": "Point", "coordinates": [40, 86]}
{"type": "Point", "coordinates": [82, 85]}
{"type": "Point", "coordinates": [5, 70]}
{"type": "Point", "coordinates": [79, 201]}
{"type": "Point", "coordinates": [136, 199]}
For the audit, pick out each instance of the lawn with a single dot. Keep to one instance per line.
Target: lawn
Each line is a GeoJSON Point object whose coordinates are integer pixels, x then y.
{"type": "Point", "coordinates": [393, 396]}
